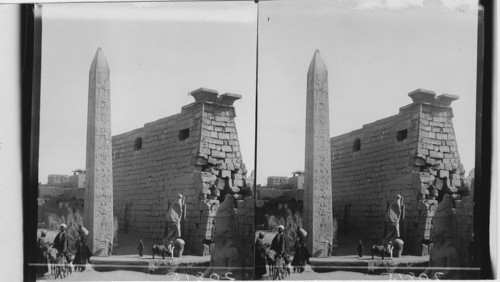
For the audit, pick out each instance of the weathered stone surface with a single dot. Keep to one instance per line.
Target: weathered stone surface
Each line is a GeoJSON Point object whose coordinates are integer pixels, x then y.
{"type": "Point", "coordinates": [225, 173]}
{"type": "Point", "coordinates": [238, 182]}
{"type": "Point", "coordinates": [436, 155]}
{"type": "Point", "coordinates": [98, 209]}
{"type": "Point", "coordinates": [318, 188]}
{"type": "Point", "coordinates": [444, 253]}
{"type": "Point", "coordinates": [229, 98]}
{"type": "Point", "coordinates": [446, 99]}
{"type": "Point", "coordinates": [225, 255]}
{"type": "Point", "coordinates": [422, 95]}
{"type": "Point", "coordinates": [199, 161]}
{"type": "Point", "coordinates": [420, 162]}
{"type": "Point", "coordinates": [204, 94]}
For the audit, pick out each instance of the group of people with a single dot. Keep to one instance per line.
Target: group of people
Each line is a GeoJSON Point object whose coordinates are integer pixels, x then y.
{"type": "Point", "coordinates": [61, 244]}
{"type": "Point", "coordinates": [279, 246]}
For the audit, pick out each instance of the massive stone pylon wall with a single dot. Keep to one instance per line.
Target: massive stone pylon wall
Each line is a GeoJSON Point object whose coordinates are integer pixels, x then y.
{"type": "Point", "coordinates": [403, 154]}
{"type": "Point", "coordinates": [195, 153]}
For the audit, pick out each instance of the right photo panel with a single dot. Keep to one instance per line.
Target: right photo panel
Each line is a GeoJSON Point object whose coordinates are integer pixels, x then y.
{"type": "Point", "coordinates": [366, 140]}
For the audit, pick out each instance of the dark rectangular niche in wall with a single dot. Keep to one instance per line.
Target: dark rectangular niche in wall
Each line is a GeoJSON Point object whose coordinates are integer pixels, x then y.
{"type": "Point", "coordinates": [356, 146]}
{"type": "Point", "coordinates": [401, 135]}
{"type": "Point", "coordinates": [183, 134]}
{"type": "Point", "coordinates": [138, 144]}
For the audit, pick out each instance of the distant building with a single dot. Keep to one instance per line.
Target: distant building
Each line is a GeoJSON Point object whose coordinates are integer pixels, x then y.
{"type": "Point", "coordinates": [277, 182]}
{"type": "Point", "coordinates": [57, 179]}
{"type": "Point", "coordinates": [60, 192]}
{"type": "Point", "coordinates": [282, 187]}
{"type": "Point", "coordinates": [297, 180]}
{"type": "Point", "coordinates": [264, 193]}
{"type": "Point", "coordinates": [77, 180]}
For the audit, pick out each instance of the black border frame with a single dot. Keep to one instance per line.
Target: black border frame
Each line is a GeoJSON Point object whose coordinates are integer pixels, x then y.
{"type": "Point", "coordinates": [31, 51]}
{"type": "Point", "coordinates": [484, 128]}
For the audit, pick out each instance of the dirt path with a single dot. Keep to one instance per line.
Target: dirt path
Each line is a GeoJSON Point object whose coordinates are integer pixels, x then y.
{"type": "Point", "coordinates": [121, 275]}
{"type": "Point", "coordinates": [309, 274]}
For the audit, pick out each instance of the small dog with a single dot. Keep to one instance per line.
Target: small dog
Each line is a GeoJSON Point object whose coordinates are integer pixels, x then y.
{"type": "Point", "coordinates": [380, 250]}
{"type": "Point", "coordinates": [160, 249]}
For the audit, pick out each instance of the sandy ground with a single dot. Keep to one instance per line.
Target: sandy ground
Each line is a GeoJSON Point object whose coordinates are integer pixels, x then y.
{"type": "Point", "coordinates": [121, 275]}
{"type": "Point", "coordinates": [308, 274]}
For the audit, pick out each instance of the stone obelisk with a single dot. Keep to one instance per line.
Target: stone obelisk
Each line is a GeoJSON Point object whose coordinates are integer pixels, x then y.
{"type": "Point", "coordinates": [318, 214]}
{"type": "Point", "coordinates": [98, 205]}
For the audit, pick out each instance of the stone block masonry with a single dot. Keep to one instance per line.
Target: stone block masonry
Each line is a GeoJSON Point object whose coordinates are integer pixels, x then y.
{"type": "Point", "coordinates": [195, 153]}
{"type": "Point", "coordinates": [413, 154]}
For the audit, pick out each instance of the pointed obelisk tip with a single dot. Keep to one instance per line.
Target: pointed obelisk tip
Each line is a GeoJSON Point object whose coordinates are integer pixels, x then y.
{"type": "Point", "coordinates": [99, 59]}
{"type": "Point", "coordinates": [317, 62]}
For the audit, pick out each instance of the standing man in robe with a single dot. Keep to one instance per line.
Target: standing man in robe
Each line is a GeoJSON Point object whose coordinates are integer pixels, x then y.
{"type": "Point", "coordinates": [302, 254]}
{"type": "Point", "coordinates": [61, 243]}
{"type": "Point", "coordinates": [279, 244]}
{"type": "Point", "coordinates": [260, 257]}
{"type": "Point", "coordinates": [43, 247]}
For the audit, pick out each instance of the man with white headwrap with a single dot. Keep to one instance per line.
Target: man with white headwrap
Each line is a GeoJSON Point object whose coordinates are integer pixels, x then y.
{"type": "Point", "coordinates": [279, 243]}
{"type": "Point", "coordinates": [43, 247]}
{"type": "Point", "coordinates": [61, 242]}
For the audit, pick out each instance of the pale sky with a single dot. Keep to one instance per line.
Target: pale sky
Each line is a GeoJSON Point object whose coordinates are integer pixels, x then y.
{"type": "Point", "coordinates": [157, 53]}
{"type": "Point", "coordinates": [376, 53]}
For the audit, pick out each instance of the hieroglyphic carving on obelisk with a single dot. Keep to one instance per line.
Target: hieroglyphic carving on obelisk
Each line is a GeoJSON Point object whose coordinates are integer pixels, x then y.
{"type": "Point", "coordinates": [318, 212]}
{"type": "Point", "coordinates": [98, 205]}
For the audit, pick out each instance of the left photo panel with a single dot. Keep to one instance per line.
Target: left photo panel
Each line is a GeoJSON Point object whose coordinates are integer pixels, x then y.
{"type": "Point", "coordinates": [147, 141]}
